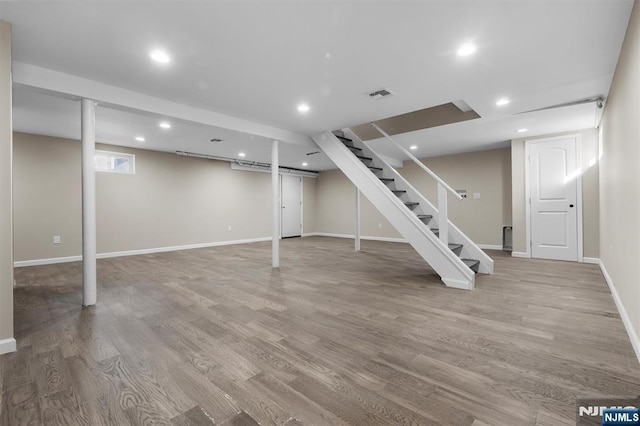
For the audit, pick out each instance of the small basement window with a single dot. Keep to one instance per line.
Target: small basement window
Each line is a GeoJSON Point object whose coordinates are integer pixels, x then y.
{"type": "Point", "coordinates": [115, 162]}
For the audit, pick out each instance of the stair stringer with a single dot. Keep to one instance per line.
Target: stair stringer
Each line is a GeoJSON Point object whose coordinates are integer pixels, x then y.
{"type": "Point", "coordinates": [453, 272]}
{"type": "Point", "coordinates": [469, 249]}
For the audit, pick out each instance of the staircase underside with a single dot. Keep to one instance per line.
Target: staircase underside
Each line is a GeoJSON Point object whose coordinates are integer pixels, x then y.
{"type": "Point", "coordinates": [413, 216]}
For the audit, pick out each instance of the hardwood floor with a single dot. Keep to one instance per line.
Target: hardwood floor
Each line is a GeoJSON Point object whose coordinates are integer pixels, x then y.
{"type": "Point", "coordinates": [333, 337]}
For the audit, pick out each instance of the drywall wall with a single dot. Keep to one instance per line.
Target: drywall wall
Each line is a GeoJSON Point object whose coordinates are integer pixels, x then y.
{"type": "Point", "coordinates": [620, 182]}
{"type": "Point", "coordinates": [309, 205]}
{"type": "Point", "coordinates": [590, 191]}
{"type": "Point", "coordinates": [7, 343]}
{"type": "Point", "coordinates": [485, 173]}
{"type": "Point", "coordinates": [170, 201]}
{"type": "Point", "coordinates": [336, 209]}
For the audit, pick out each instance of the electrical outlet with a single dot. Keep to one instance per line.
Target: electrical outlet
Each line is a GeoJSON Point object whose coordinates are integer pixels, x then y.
{"type": "Point", "coordinates": [476, 195]}
{"type": "Point", "coordinates": [229, 228]}
{"type": "Point", "coordinates": [57, 239]}
{"type": "Point", "coordinates": [380, 225]}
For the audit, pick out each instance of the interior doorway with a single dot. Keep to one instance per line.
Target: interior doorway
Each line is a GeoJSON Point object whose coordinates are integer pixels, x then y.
{"type": "Point", "coordinates": [291, 206]}
{"type": "Point", "coordinates": [554, 195]}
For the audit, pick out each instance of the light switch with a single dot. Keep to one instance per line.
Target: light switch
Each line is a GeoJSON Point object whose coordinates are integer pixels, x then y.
{"type": "Point", "coordinates": [476, 195]}
{"type": "Point", "coordinates": [57, 239]}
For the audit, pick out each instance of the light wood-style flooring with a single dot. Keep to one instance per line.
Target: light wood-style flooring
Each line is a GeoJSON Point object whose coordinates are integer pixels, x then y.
{"type": "Point", "coordinates": [215, 336]}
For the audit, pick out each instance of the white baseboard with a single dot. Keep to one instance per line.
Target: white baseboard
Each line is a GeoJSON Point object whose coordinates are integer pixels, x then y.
{"type": "Point", "coordinates": [631, 331]}
{"type": "Point", "coordinates": [489, 246]}
{"type": "Point", "coordinates": [7, 345]}
{"type": "Point", "coordinates": [387, 239]}
{"type": "Point", "coordinates": [362, 237]}
{"type": "Point", "coordinates": [36, 262]}
{"type": "Point", "coordinates": [522, 254]}
{"type": "Point", "coordinates": [592, 260]}
{"type": "Point", "coordinates": [50, 261]}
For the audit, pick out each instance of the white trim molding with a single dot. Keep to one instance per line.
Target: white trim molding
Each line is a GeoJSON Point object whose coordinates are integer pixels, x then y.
{"type": "Point", "coordinates": [7, 346]}
{"type": "Point", "coordinates": [352, 236]}
{"type": "Point", "coordinates": [591, 260]}
{"type": "Point", "coordinates": [522, 254]}
{"type": "Point", "coordinates": [631, 331]}
{"type": "Point", "coordinates": [37, 262]}
{"type": "Point", "coordinates": [490, 246]}
{"type": "Point", "coordinates": [387, 239]}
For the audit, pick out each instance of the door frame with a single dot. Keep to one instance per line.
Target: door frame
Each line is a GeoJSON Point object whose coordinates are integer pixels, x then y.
{"type": "Point", "coordinates": [301, 202]}
{"type": "Point", "coordinates": [577, 137]}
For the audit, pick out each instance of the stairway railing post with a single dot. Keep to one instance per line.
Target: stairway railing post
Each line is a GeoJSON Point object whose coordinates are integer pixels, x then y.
{"type": "Point", "coordinates": [443, 220]}
{"type": "Point", "coordinates": [357, 219]}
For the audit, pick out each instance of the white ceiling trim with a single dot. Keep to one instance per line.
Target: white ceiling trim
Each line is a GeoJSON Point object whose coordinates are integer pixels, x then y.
{"type": "Point", "coordinates": [119, 98]}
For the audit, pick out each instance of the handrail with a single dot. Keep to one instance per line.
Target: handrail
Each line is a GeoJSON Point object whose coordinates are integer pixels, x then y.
{"type": "Point", "coordinates": [418, 162]}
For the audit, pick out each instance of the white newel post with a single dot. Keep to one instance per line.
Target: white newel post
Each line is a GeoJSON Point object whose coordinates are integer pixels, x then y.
{"type": "Point", "coordinates": [357, 233]}
{"type": "Point", "coordinates": [443, 221]}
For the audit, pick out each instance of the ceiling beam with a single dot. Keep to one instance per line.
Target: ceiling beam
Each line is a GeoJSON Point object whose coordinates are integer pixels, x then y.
{"type": "Point", "coordinates": [74, 87]}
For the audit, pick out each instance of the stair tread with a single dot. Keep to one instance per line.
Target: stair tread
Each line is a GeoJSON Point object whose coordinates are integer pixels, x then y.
{"type": "Point", "coordinates": [364, 158]}
{"type": "Point", "coordinates": [435, 231]}
{"type": "Point", "coordinates": [425, 216]}
{"type": "Point", "coordinates": [454, 246]}
{"type": "Point", "coordinates": [398, 191]}
{"type": "Point", "coordinates": [375, 168]}
{"type": "Point", "coordinates": [473, 264]}
{"type": "Point", "coordinates": [353, 147]}
{"type": "Point", "coordinates": [411, 203]}
{"type": "Point", "coordinates": [342, 138]}
{"type": "Point", "coordinates": [387, 179]}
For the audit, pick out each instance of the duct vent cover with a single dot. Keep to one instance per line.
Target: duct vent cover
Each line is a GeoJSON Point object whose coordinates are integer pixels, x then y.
{"type": "Point", "coordinates": [381, 93]}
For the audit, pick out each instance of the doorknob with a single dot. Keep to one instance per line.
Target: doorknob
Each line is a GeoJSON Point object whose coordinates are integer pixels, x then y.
{"type": "Point", "coordinates": [571, 205]}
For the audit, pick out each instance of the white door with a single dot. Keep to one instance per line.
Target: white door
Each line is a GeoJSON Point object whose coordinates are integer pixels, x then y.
{"type": "Point", "coordinates": [553, 181]}
{"type": "Point", "coordinates": [291, 206]}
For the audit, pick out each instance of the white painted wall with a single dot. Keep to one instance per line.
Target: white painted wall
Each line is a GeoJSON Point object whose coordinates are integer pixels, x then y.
{"type": "Point", "coordinates": [620, 183]}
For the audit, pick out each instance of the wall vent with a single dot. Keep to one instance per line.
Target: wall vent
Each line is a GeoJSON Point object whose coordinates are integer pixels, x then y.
{"type": "Point", "coordinates": [216, 140]}
{"type": "Point", "coordinates": [381, 93]}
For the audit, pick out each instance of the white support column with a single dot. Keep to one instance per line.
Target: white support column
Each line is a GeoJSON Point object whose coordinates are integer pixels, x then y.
{"type": "Point", "coordinates": [275, 190]}
{"type": "Point", "coordinates": [357, 218]}
{"type": "Point", "coordinates": [443, 215]}
{"type": "Point", "coordinates": [89, 275]}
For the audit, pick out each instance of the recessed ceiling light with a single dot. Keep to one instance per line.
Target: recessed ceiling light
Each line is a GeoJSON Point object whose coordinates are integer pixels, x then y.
{"type": "Point", "coordinates": [305, 164]}
{"type": "Point", "coordinates": [303, 108]}
{"type": "Point", "coordinates": [522, 130]}
{"type": "Point", "coordinates": [466, 49]}
{"type": "Point", "coordinates": [502, 101]}
{"type": "Point", "coordinates": [165, 125]}
{"type": "Point", "coordinates": [160, 56]}
{"type": "Point", "coordinates": [241, 154]}
{"type": "Point", "coordinates": [413, 147]}
{"type": "Point", "coordinates": [140, 138]}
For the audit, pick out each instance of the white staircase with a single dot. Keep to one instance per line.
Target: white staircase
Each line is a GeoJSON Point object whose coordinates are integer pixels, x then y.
{"type": "Point", "coordinates": [440, 243]}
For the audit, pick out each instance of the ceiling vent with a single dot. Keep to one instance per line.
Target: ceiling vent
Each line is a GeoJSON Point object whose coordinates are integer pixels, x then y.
{"type": "Point", "coordinates": [379, 94]}
{"type": "Point", "coordinates": [216, 140]}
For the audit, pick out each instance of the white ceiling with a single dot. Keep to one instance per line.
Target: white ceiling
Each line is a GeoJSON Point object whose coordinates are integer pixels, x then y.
{"type": "Point", "coordinates": [258, 60]}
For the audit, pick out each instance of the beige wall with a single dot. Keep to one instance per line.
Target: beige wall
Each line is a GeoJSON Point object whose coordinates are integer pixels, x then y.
{"type": "Point", "coordinates": [170, 201]}
{"type": "Point", "coordinates": [590, 191]}
{"type": "Point", "coordinates": [486, 172]}
{"type": "Point", "coordinates": [620, 177]}
{"type": "Point", "coordinates": [6, 237]}
{"type": "Point", "coordinates": [309, 205]}
{"type": "Point", "coordinates": [336, 209]}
